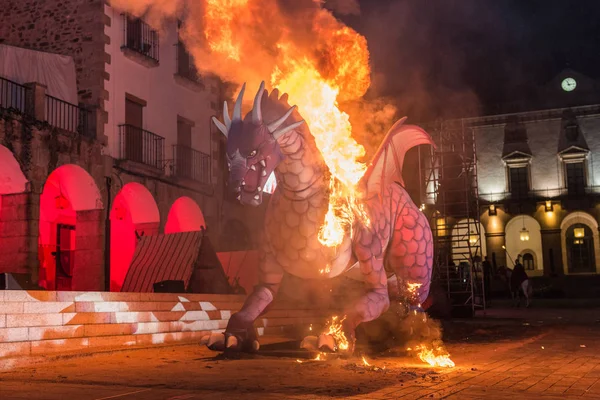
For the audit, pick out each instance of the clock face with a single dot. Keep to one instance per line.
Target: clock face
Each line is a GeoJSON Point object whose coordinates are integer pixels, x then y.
{"type": "Point", "coordinates": [569, 84]}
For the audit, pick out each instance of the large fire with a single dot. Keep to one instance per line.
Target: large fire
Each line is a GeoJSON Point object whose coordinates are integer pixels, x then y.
{"type": "Point", "coordinates": [315, 81]}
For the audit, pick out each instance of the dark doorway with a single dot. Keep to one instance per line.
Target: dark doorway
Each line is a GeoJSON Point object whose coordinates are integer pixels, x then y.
{"type": "Point", "coordinates": [65, 251]}
{"type": "Point", "coordinates": [580, 249]}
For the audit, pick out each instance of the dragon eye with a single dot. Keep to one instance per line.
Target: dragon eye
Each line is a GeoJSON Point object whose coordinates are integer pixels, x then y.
{"type": "Point", "coordinates": [252, 154]}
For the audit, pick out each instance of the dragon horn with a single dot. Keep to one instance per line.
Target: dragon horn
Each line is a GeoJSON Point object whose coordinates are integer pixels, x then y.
{"type": "Point", "coordinates": [226, 117]}
{"type": "Point", "coordinates": [256, 110]}
{"type": "Point", "coordinates": [237, 109]}
{"type": "Point", "coordinates": [276, 124]}
{"type": "Point", "coordinates": [220, 125]}
{"type": "Point", "coordinates": [282, 131]}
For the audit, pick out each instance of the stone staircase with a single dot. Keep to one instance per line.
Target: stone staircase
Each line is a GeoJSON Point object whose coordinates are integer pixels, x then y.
{"type": "Point", "coordinates": [34, 323]}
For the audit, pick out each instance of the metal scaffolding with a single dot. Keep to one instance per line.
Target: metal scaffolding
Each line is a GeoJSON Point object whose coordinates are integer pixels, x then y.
{"type": "Point", "coordinates": [452, 195]}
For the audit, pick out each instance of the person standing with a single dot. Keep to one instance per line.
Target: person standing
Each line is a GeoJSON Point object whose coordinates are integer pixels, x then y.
{"type": "Point", "coordinates": [487, 279]}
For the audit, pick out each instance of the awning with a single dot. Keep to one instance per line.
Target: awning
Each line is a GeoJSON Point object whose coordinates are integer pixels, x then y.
{"type": "Point", "coordinates": [187, 257]}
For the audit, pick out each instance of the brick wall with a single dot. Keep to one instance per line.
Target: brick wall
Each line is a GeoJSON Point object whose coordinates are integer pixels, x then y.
{"type": "Point", "coordinates": [69, 27]}
{"type": "Point", "coordinates": [14, 233]}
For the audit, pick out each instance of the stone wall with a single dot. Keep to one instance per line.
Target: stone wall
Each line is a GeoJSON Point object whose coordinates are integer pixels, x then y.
{"type": "Point", "coordinates": [40, 149]}
{"type": "Point", "coordinates": [69, 27]}
{"type": "Point", "coordinates": [15, 234]}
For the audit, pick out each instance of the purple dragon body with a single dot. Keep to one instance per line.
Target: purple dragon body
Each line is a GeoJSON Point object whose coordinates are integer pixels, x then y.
{"type": "Point", "coordinates": [272, 137]}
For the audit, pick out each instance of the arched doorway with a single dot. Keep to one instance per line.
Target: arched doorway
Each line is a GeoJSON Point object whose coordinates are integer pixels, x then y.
{"type": "Point", "coordinates": [523, 238]}
{"type": "Point", "coordinates": [70, 198]}
{"type": "Point", "coordinates": [579, 237]}
{"type": "Point", "coordinates": [134, 214]}
{"type": "Point", "coordinates": [184, 216]}
{"type": "Point", "coordinates": [13, 200]}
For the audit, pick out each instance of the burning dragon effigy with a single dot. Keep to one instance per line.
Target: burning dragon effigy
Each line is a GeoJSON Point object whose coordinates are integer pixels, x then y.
{"type": "Point", "coordinates": [330, 213]}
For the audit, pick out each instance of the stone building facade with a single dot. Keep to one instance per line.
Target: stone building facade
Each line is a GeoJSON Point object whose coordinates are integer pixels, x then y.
{"type": "Point", "coordinates": [154, 162]}
{"type": "Point", "coordinates": [538, 178]}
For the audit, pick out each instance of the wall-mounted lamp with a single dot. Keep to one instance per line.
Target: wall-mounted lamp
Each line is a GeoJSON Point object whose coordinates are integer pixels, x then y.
{"type": "Point", "coordinates": [492, 210]}
{"type": "Point", "coordinates": [549, 206]}
{"type": "Point", "coordinates": [473, 238]}
{"type": "Point", "coordinates": [524, 236]}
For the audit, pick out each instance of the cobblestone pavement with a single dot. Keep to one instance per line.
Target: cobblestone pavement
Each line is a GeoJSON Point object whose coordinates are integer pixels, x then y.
{"type": "Point", "coordinates": [525, 358]}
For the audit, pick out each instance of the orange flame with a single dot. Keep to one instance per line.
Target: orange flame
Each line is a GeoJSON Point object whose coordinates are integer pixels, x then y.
{"type": "Point", "coordinates": [334, 328]}
{"type": "Point", "coordinates": [220, 15]}
{"type": "Point", "coordinates": [435, 356]}
{"type": "Point", "coordinates": [365, 362]}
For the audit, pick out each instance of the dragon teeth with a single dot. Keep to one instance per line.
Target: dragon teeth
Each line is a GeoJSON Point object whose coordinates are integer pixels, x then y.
{"type": "Point", "coordinates": [256, 197]}
{"type": "Point", "coordinates": [264, 173]}
{"type": "Point", "coordinates": [263, 163]}
{"type": "Point", "coordinates": [253, 167]}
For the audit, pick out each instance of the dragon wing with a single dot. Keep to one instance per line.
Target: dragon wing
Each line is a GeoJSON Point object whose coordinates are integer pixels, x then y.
{"type": "Point", "coordinates": [386, 166]}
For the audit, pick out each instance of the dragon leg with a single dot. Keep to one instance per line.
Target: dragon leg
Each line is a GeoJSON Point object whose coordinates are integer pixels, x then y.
{"type": "Point", "coordinates": [411, 254]}
{"type": "Point", "coordinates": [375, 301]}
{"type": "Point", "coordinates": [240, 334]}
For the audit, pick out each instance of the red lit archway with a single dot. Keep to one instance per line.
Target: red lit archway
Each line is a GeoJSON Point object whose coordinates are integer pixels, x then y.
{"type": "Point", "coordinates": [70, 208]}
{"type": "Point", "coordinates": [185, 216]}
{"type": "Point", "coordinates": [134, 214]}
{"type": "Point", "coordinates": [13, 200]}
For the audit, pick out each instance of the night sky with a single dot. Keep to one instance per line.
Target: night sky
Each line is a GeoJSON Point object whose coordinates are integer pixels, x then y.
{"type": "Point", "coordinates": [463, 57]}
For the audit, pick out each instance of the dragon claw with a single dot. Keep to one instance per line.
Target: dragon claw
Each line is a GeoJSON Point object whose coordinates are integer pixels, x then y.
{"type": "Point", "coordinates": [239, 336]}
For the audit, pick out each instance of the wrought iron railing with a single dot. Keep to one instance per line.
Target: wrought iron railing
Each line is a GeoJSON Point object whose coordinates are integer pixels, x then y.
{"type": "Point", "coordinates": [12, 95]}
{"type": "Point", "coordinates": [185, 64]}
{"type": "Point", "coordinates": [141, 146]}
{"type": "Point", "coordinates": [140, 37]}
{"type": "Point", "coordinates": [67, 116]}
{"type": "Point", "coordinates": [191, 164]}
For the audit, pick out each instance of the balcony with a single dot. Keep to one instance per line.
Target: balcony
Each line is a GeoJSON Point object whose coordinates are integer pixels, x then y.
{"type": "Point", "coordinates": [141, 146]}
{"type": "Point", "coordinates": [141, 42]}
{"type": "Point", "coordinates": [68, 117]}
{"type": "Point", "coordinates": [12, 95]}
{"type": "Point", "coordinates": [56, 112]}
{"type": "Point", "coordinates": [191, 164]}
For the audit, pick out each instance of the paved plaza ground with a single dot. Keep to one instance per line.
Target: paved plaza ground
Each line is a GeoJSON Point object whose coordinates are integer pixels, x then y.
{"type": "Point", "coordinates": [546, 353]}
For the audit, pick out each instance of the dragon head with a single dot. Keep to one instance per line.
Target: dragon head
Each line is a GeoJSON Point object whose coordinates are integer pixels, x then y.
{"type": "Point", "coordinates": [252, 149]}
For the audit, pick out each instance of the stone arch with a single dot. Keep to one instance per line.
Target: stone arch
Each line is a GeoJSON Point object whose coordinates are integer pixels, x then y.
{"type": "Point", "coordinates": [134, 214]}
{"type": "Point", "coordinates": [12, 179]}
{"type": "Point", "coordinates": [185, 216]}
{"type": "Point", "coordinates": [461, 233]}
{"type": "Point", "coordinates": [70, 228]}
{"type": "Point", "coordinates": [516, 247]}
{"type": "Point", "coordinates": [590, 226]}
{"type": "Point", "coordinates": [13, 212]}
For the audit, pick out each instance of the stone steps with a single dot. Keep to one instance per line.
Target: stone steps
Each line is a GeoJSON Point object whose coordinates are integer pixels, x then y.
{"type": "Point", "coordinates": [36, 323]}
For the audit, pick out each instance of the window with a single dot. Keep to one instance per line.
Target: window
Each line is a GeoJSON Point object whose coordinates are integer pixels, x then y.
{"type": "Point", "coordinates": [528, 262]}
{"type": "Point", "coordinates": [185, 62]}
{"type": "Point", "coordinates": [519, 181]}
{"type": "Point", "coordinates": [134, 134]}
{"type": "Point", "coordinates": [575, 177]}
{"type": "Point", "coordinates": [141, 38]}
